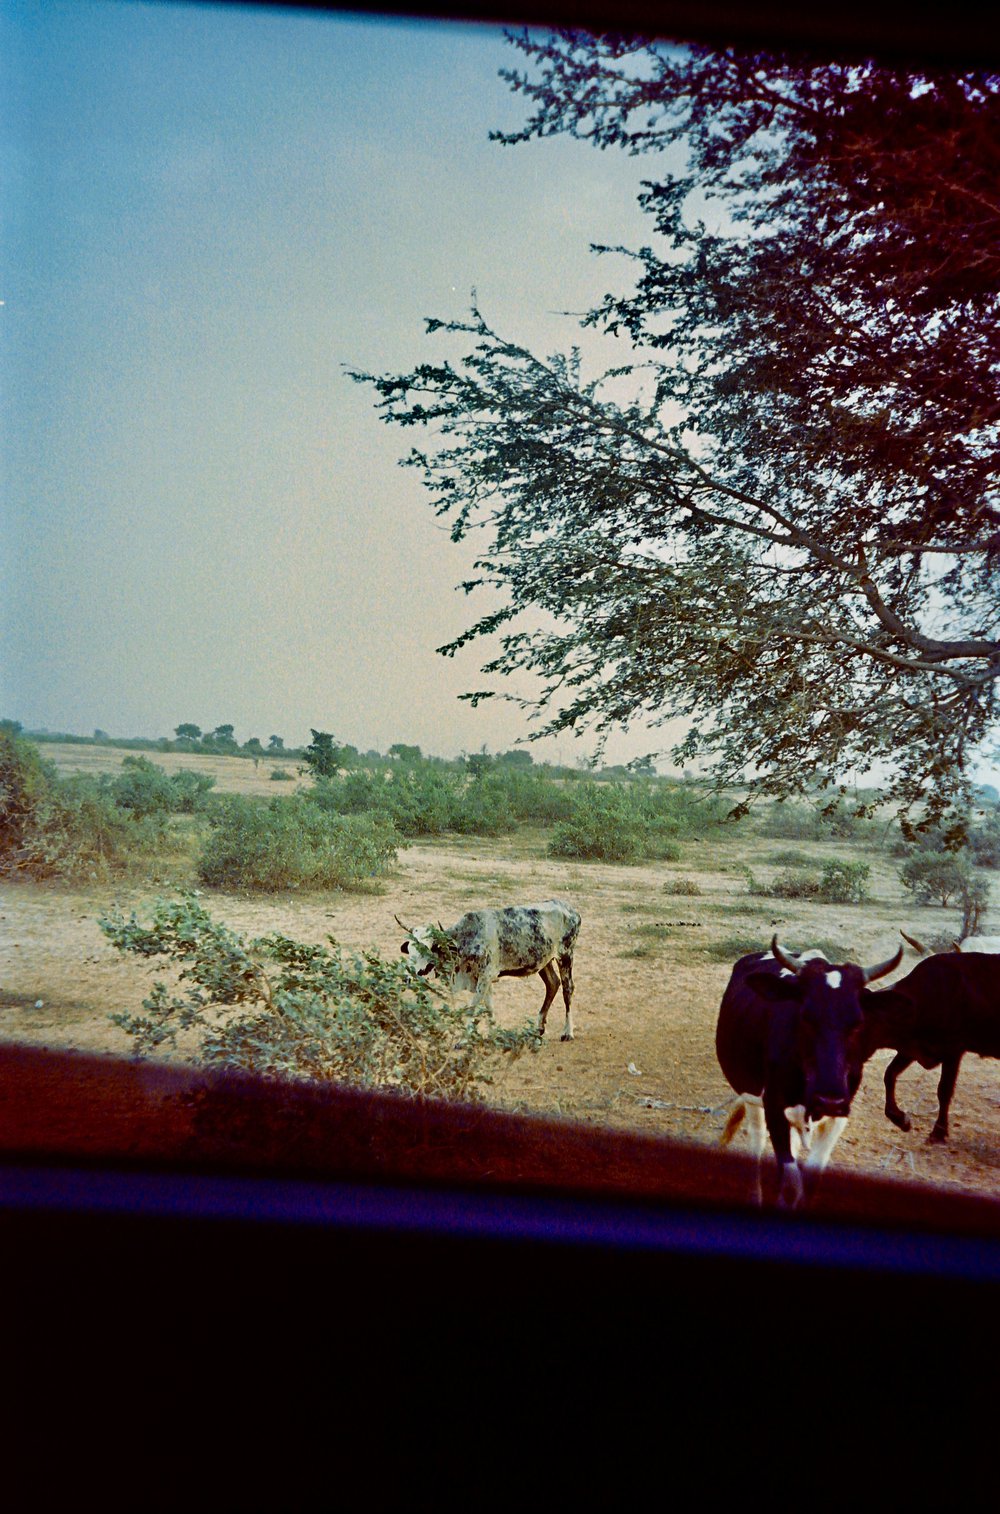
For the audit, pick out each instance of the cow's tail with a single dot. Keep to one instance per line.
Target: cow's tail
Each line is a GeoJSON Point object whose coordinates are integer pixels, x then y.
{"type": "Point", "coordinates": [736, 1117]}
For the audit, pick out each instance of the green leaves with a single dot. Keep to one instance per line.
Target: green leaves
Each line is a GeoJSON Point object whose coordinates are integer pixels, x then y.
{"type": "Point", "coordinates": [291, 1010]}
{"type": "Point", "coordinates": [777, 521]}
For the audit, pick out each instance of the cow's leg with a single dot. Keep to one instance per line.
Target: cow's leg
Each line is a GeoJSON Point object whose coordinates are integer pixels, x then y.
{"type": "Point", "coordinates": [483, 993]}
{"type": "Point", "coordinates": [823, 1138]}
{"type": "Point", "coordinates": [789, 1175]}
{"type": "Point", "coordinates": [893, 1112]}
{"type": "Point", "coordinates": [757, 1133]}
{"type": "Point", "coordinates": [566, 973]}
{"type": "Point", "coordinates": [550, 978]}
{"type": "Point", "coordinates": [946, 1087]}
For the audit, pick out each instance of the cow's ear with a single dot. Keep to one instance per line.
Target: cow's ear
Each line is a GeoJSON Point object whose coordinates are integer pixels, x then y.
{"type": "Point", "coordinates": [876, 1001]}
{"type": "Point", "coordinates": [405, 947]}
{"type": "Point", "coordinates": [775, 985]}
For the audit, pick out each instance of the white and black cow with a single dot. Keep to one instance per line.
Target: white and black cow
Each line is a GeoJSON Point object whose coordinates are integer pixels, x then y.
{"type": "Point", "coordinates": [789, 1041]}
{"type": "Point", "coordinates": [515, 942]}
{"type": "Point", "coordinates": [948, 1005]}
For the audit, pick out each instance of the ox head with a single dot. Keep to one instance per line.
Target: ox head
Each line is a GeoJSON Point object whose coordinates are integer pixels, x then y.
{"type": "Point", "coordinates": [419, 948]}
{"type": "Point", "coordinates": [826, 1036]}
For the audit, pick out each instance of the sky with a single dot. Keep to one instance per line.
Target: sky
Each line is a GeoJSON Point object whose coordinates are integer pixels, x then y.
{"type": "Point", "coordinates": [209, 214]}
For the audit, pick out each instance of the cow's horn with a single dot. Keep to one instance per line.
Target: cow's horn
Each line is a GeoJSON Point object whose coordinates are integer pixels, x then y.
{"type": "Point", "coordinates": [791, 963]}
{"type": "Point", "coordinates": [402, 926]}
{"type": "Point", "coordinates": [883, 968]}
{"type": "Point", "coordinates": [956, 946]}
{"type": "Point", "coordinates": [918, 946]}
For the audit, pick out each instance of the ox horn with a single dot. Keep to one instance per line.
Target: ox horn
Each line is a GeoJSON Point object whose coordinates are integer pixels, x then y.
{"type": "Point", "coordinates": [918, 946]}
{"type": "Point", "coordinates": [883, 968]}
{"type": "Point", "coordinates": [791, 963]}
{"type": "Point", "coordinates": [399, 922]}
{"type": "Point", "coordinates": [956, 946]}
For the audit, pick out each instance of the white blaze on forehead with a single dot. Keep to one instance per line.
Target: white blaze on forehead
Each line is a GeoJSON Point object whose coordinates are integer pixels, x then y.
{"type": "Point", "coordinates": [834, 979]}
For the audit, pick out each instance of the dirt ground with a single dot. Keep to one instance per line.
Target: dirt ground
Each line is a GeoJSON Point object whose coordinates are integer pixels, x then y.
{"type": "Point", "coordinates": [651, 966]}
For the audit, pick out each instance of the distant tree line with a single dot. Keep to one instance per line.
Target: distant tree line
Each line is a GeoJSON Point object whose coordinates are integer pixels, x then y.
{"type": "Point", "coordinates": [324, 756]}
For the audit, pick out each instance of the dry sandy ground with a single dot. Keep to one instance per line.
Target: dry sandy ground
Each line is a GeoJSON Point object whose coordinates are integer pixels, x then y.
{"type": "Point", "coordinates": [648, 985]}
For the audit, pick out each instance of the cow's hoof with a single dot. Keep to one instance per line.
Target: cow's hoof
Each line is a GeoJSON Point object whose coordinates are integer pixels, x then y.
{"type": "Point", "coordinates": [937, 1136]}
{"type": "Point", "coordinates": [566, 1037]}
{"type": "Point", "coordinates": [901, 1121]}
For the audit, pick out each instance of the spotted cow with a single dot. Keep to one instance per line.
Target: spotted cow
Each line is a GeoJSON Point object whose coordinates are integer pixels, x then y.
{"type": "Point", "coordinates": [514, 942]}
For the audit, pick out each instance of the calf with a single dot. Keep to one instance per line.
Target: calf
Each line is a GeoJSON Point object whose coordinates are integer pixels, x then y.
{"type": "Point", "coordinates": [789, 1041]}
{"type": "Point", "coordinates": [948, 1005]}
{"type": "Point", "coordinates": [487, 944]}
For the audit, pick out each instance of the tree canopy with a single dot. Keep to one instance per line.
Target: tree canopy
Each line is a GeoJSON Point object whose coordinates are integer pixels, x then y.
{"type": "Point", "coordinates": [778, 517]}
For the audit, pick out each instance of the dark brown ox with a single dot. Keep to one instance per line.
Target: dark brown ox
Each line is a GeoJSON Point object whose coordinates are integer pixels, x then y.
{"type": "Point", "coordinates": [789, 1040]}
{"type": "Point", "coordinates": [948, 1005]}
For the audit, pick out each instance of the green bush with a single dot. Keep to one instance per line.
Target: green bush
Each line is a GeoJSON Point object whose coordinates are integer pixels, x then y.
{"type": "Point", "coordinates": [935, 877]}
{"type": "Point", "coordinates": [69, 828]}
{"type": "Point", "coordinates": [844, 882]}
{"type": "Point", "coordinates": [793, 822]}
{"type": "Point", "coordinates": [984, 840]}
{"type": "Point", "coordinates": [262, 846]}
{"type": "Point", "coordinates": [286, 1010]}
{"type": "Point", "coordinates": [26, 781]}
{"type": "Point", "coordinates": [191, 791]}
{"type": "Point", "coordinates": [141, 787]}
{"type": "Point", "coordinates": [484, 808]}
{"type": "Point", "coordinates": [838, 883]}
{"type": "Point", "coordinates": [614, 822]}
{"type": "Point", "coordinates": [839, 821]}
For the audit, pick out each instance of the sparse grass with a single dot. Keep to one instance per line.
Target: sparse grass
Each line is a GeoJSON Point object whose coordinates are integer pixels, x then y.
{"type": "Point", "coordinates": [731, 948]}
{"type": "Point", "coordinates": [683, 886]}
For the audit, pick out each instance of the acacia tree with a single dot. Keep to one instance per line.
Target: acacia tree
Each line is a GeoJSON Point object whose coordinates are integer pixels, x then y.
{"type": "Point", "coordinates": [779, 518]}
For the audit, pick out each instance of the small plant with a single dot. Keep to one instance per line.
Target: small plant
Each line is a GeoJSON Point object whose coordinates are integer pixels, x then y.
{"type": "Point", "coordinates": [844, 882]}
{"type": "Point", "coordinates": [838, 883]}
{"type": "Point", "coordinates": [975, 902]}
{"type": "Point", "coordinates": [281, 775]}
{"type": "Point", "coordinates": [287, 1010]}
{"type": "Point", "coordinates": [683, 886]}
{"type": "Point", "coordinates": [936, 877]}
{"type": "Point", "coordinates": [984, 840]}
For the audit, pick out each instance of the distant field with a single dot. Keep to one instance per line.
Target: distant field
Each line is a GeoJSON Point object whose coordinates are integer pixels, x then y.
{"type": "Point", "coordinates": [233, 775]}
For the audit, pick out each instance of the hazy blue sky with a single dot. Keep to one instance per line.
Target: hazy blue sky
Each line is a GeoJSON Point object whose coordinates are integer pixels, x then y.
{"type": "Point", "coordinates": [208, 212]}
